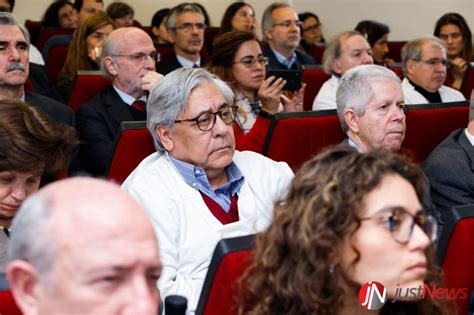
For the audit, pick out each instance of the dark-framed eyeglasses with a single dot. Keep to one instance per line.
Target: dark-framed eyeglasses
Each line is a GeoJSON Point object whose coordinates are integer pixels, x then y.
{"type": "Point", "coordinates": [250, 61]}
{"type": "Point", "coordinates": [312, 27]}
{"type": "Point", "coordinates": [188, 27]}
{"type": "Point", "coordinates": [141, 57]}
{"type": "Point", "coordinates": [288, 23]}
{"type": "Point", "coordinates": [207, 120]}
{"type": "Point", "coordinates": [401, 223]}
{"type": "Point", "coordinates": [434, 62]}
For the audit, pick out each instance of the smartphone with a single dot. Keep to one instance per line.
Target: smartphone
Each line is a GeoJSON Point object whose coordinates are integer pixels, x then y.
{"type": "Point", "coordinates": [292, 77]}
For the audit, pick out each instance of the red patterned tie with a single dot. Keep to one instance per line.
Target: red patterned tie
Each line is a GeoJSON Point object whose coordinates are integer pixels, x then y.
{"type": "Point", "coordinates": [195, 66]}
{"type": "Point", "coordinates": [139, 105]}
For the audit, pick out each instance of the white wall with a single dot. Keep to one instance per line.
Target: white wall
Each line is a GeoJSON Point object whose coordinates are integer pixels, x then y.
{"type": "Point", "coordinates": [406, 18]}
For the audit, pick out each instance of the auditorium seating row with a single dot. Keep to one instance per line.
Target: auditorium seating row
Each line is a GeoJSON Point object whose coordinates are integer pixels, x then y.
{"type": "Point", "coordinates": [232, 256]}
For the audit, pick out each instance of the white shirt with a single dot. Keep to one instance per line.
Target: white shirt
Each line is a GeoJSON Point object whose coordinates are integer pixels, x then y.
{"type": "Point", "coordinates": [35, 56]}
{"type": "Point", "coordinates": [186, 229]}
{"type": "Point", "coordinates": [326, 98]}
{"type": "Point", "coordinates": [186, 63]}
{"type": "Point", "coordinates": [469, 137]}
{"type": "Point", "coordinates": [412, 96]}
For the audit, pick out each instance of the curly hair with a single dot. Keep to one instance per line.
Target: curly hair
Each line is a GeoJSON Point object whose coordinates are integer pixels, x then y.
{"type": "Point", "coordinates": [29, 139]}
{"type": "Point", "coordinates": [293, 270]}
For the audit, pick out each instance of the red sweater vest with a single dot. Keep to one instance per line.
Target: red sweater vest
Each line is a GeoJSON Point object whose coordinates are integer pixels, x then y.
{"type": "Point", "coordinates": [219, 213]}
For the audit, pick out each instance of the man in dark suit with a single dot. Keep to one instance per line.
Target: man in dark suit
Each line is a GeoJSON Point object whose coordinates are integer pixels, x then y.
{"type": "Point", "coordinates": [186, 27]}
{"type": "Point", "coordinates": [128, 60]}
{"type": "Point", "coordinates": [281, 31]}
{"type": "Point", "coordinates": [450, 168]}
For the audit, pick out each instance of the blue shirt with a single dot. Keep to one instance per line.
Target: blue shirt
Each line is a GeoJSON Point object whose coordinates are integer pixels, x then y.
{"type": "Point", "coordinates": [196, 177]}
{"type": "Point", "coordinates": [283, 60]}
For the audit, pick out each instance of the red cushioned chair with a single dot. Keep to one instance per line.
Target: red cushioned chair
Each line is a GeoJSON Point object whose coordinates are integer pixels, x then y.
{"type": "Point", "coordinates": [395, 50]}
{"type": "Point", "coordinates": [86, 85]}
{"type": "Point", "coordinates": [428, 125]}
{"type": "Point", "coordinates": [455, 253]}
{"type": "Point", "coordinates": [56, 59]}
{"type": "Point", "coordinates": [209, 34]}
{"type": "Point", "coordinates": [165, 51]}
{"type": "Point", "coordinates": [47, 32]}
{"type": "Point", "coordinates": [7, 302]}
{"type": "Point", "coordinates": [314, 79]}
{"type": "Point", "coordinates": [134, 144]}
{"type": "Point", "coordinates": [468, 82]}
{"type": "Point", "coordinates": [318, 52]}
{"type": "Point", "coordinates": [296, 137]}
{"type": "Point", "coordinates": [220, 290]}
{"type": "Point", "coordinates": [34, 28]}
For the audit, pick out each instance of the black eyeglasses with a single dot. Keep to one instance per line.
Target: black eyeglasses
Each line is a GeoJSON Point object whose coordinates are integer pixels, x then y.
{"type": "Point", "coordinates": [434, 62]}
{"type": "Point", "coordinates": [288, 23]}
{"type": "Point", "coordinates": [401, 223]}
{"type": "Point", "coordinates": [187, 27]}
{"type": "Point", "coordinates": [141, 57]}
{"type": "Point", "coordinates": [249, 62]}
{"type": "Point", "coordinates": [207, 120]}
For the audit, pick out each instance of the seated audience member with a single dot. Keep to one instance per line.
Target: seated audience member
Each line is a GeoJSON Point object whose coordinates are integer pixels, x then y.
{"type": "Point", "coordinates": [197, 189]}
{"type": "Point", "coordinates": [85, 50]}
{"type": "Point", "coordinates": [281, 32]}
{"type": "Point", "coordinates": [60, 14]}
{"type": "Point", "coordinates": [239, 61]}
{"type": "Point", "coordinates": [453, 30]}
{"type": "Point", "coordinates": [424, 66]}
{"type": "Point", "coordinates": [85, 8]}
{"type": "Point", "coordinates": [31, 145]}
{"type": "Point", "coordinates": [121, 13]}
{"type": "Point", "coordinates": [376, 34]}
{"type": "Point", "coordinates": [347, 220]}
{"type": "Point", "coordinates": [158, 27]}
{"type": "Point", "coordinates": [310, 32]}
{"type": "Point", "coordinates": [450, 169]}
{"type": "Point", "coordinates": [128, 60]}
{"type": "Point", "coordinates": [15, 68]}
{"type": "Point", "coordinates": [371, 111]}
{"type": "Point", "coordinates": [185, 25]}
{"type": "Point", "coordinates": [239, 16]}
{"type": "Point", "coordinates": [82, 246]}
{"type": "Point", "coordinates": [346, 51]}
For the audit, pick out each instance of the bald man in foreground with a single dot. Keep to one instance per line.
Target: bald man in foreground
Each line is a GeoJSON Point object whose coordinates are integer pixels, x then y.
{"type": "Point", "coordinates": [82, 246]}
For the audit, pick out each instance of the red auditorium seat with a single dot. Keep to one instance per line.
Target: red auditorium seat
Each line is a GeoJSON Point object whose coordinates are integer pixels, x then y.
{"type": "Point", "coordinates": [47, 32]}
{"type": "Point", "coordinates": [468, 82]}
{"type": "Point", "coordinates": [297, 137]}
{"type": "Point", "coordinates": [209, 34]}
{"type": "Point", "coordinates": [220, 290]}
{"type": "Point", "coordinates": [455, 254]}
{"type": "Point", "coordinates": [165, 51]}
{"type": "Point", "coordinates": [85, 87]}
{"type": "Point", "coordinates": [318, 53]}
{"type": "Point", "coordinates": [134, 144]}
{"type": "Point", "coordinates": [56, 59]}
{"type": "Point", "coordinates": [428, 125]}
{"type": "Point", "coordinates": [34, 28]}
{"type": "Point", "coordinates": [7, 302]}
{"type": "Point", "coordinates": [314, 79]}
{"type": "Point", "coordinates": [395, 50]}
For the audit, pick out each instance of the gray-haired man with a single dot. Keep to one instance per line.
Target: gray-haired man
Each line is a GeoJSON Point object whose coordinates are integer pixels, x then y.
{"type": "Point", "coordinates": [197, 189]}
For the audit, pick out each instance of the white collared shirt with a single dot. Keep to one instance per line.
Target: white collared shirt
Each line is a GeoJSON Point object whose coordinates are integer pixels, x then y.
{"type": "Point", "coordinates": [127, 99]}
{"type": "Point", "coordinates": [186, 63]}
{"type": "Point", "coordinates": [469, 137]}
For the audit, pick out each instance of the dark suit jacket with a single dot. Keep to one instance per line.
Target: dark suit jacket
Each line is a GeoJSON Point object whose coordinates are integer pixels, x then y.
{"type": "Point", "coordinates": [61, 114]}
{"type": "Point", "coordinates": [450, 169]}
{"type": "Point", "coordinates": [98, 124]}
{"type": "Point", "coordinates": [41, 82]}
{"type": "Point", "coordinates": [172, 63]}
{"type": "Point", "coordinates": [301, 59]}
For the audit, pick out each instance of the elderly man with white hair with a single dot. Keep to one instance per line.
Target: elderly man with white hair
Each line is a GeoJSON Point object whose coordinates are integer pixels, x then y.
{"type": "Point", "coordinates": [197, 189]}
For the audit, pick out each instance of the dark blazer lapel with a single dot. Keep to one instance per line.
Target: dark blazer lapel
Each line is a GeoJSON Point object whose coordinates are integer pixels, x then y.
{"type": "Point", "coordinates": [117, 109]}
{"type": "Point", "coordinates": [467, 147]}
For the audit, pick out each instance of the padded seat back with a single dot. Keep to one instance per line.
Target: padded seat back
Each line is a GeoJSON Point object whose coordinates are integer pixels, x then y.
{"type": "Point", "coordinates": [395, 50]}
{"type": "Point", "coordinates": [47, 32]}
{"type": "Point", "coordinates": [220, 291]}
{"type": "Point", "coordinates": [468, 82]}
{"type": "Point", "coordinates": [455, 254]}
{"type": "Point", "coordinates": [133, 145]}
{"type": "Point", "coordinates": [296, 137]}
{"type": "Point", "coordinates": [314, 79]}
{"type": "Point", "coordinates": [318, 52]}
{"type": "Point", "coordinates": [85, 87]}
{"type": "Point", "coordinates": [428, 125]}
{"type": "Point", "coordinates": [57, 56]}
{"type": "Point", "coordinates": [7, 302]}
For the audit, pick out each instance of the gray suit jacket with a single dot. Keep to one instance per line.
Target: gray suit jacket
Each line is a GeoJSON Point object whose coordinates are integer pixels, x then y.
{"type": "Point", "coordinates": [450, 169]}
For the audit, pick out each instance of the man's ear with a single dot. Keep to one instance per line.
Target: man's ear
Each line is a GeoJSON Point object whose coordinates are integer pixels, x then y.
{"type": "Point", "coordinates": [165, 137]}
{"type": "Point", "coordinates": [24, 284]}
{"type": "Point", "coordinates": [267, 33]}
{"type": "Point", "coordinates": [336, 66]}
{"type": "Point", "coordinates": [410, 66]}
{"type": "Point", "coordinates": [110, 65]}
{"type": "Point", "coordinates": [172, 35]}
{"type": "Point", "coordinates": [352, 120]}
